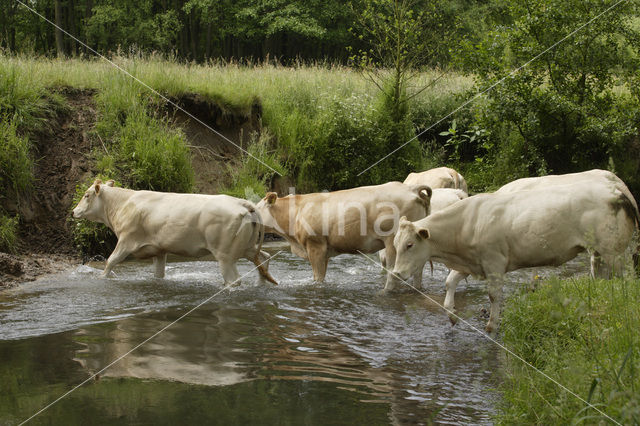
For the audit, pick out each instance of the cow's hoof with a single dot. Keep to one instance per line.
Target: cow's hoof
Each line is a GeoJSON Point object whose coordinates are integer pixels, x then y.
{"type": "Point", "coordinates": [384, 292]}
{"type": "Point", "coordinates": [453, 319]}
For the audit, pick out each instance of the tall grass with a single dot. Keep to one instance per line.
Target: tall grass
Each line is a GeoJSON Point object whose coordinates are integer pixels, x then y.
{"type": "Point", "coordinates": [321, 124]}
{"type": "Point", "coordinates": [16, 166]}
{"type": "Point", "coordinates": [328, 109]}
{"type": "Point", "coordinates": [8, 233]}
{"type": "Point", "coordinates": [582, 333]}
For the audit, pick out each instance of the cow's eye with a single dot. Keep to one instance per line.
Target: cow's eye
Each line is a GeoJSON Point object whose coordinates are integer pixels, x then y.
{"type": "Point", "coordinates": [409, 245]}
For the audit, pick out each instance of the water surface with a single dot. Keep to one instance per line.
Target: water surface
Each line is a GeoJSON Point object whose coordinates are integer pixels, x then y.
{"type": "Point", "coordinates": [298, 353]}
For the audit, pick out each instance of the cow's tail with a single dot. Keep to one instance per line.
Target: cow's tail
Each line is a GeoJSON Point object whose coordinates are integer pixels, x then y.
{"type": "Point", "coordinates": [630, 207]}
{"type": "Point", "coordinates": [258, 228]}
{"type": "Point", "coordinates": [424, 192]}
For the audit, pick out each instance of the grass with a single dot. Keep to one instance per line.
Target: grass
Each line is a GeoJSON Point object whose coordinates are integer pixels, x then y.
{"type": "Point", "coordinates": [316, 107]}
{"type": "Point", "coordinates": [8, 233]}
{"type": "Point", "coordinates": [582, 333]}
{"type": "Point", "coordinates": [16, 165]}
{"type": "Point", "coordinates": [321, 124]}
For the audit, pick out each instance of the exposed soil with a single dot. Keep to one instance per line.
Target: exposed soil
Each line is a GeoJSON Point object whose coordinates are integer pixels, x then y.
{"type": "Point", "coordinates": [63, 160]}
{"type": "Point", "coordinates": [214, 153]}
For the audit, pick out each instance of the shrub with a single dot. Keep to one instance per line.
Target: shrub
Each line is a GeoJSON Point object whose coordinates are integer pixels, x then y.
{"type": "Point", "coordinates": [16, 166]}
{"type": "Point", "coordinates": [8, 233]}
{"type": "Point", "coordinates": [251, 178]}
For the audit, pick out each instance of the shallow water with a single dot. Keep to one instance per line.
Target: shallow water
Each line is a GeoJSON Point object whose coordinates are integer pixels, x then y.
{"type": "Point", "coordinates": [298, 353]}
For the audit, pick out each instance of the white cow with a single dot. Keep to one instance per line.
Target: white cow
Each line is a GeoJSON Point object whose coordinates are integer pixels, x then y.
{"type": "Point", "coordinates": [489, 235]}
{"type": "Point", "coordinates": [440, 177]}
{"type": "Point", "coordinates": [152, 224]}
{"type": "Point", "coordinates": [595, 175]}
{"type": "Point", "coordinates": [440, 198]}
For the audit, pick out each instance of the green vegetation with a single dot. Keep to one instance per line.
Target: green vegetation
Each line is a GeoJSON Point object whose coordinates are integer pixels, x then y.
{"type": "Point", "coordinates": [569, 110]}
{"type": "Point", "coordinates": [582, 333]}
{"type": "Point", "coordinates": [285, 31]}
{"type": "Point", "coordinates": [8, 233]}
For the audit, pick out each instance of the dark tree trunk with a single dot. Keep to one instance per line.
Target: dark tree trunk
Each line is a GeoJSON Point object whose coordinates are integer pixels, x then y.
{"type": "Point", "coordinates": [194, 36]}
{"type": "Point", "coordinates": [207, 50]}
{"type": "Point", "coordinates": [59, 36]}
{"type": "Point", "coordinates": [71, 19]}
{"type": "Point", "coordinates": [88, 12]}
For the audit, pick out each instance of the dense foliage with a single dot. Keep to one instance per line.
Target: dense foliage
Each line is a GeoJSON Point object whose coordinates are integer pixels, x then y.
{"type": "Point", "coordinates": [583, 333]}
{"type": "Point", "coordinates": [285, 30]}
{"type": "Point", "coordinates": [571, 108]}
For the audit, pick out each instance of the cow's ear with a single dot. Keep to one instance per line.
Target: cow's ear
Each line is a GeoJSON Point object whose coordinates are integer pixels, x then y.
{"type": "Point", "coordinates": [110, 182]}
{"type": "Point", "coordinates": [97, 182]}
{"type": "Point", "coordinates": [423, 233]}
{"type": "Point", "coordinates": [96, 187]}
{"type": "Point", "coordinates": [271, 197]}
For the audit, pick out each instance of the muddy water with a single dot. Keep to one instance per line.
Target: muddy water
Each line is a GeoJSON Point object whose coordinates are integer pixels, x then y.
{"type": "Point", "coordinates": [299, 353]}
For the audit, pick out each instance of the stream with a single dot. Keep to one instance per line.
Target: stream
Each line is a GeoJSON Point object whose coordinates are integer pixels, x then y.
{"type": "Point", "coordinates": [296, 353]}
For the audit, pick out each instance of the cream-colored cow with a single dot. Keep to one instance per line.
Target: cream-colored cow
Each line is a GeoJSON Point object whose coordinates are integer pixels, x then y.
{"type": "Point", "coordinates": [441, 177]}
{"type": "Point", "coordinates": [440, 198]}
{"type": "Point", "coordinates": [596, 176]}
{"type": "Point", "coordinates": [489, 235]}
{"type": "Point", "coordinates": [359, 220]}
{"type": "Point", "coordinates": [151, 224]}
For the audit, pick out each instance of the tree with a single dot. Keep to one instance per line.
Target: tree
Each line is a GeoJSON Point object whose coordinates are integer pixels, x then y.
{"type": "Point", "coordinates": [403, 37]}
{"type": "Point", "coordinates": [59, 24]}
{"type": "Point", "coordinates": [559, 113]}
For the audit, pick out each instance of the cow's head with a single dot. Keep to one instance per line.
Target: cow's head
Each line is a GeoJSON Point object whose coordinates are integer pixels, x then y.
{"type": "Point", "coordinates": [91, 206]}
{"type": "Point", "coordinates": [266, 209]}
{"type": "Point", "coordinates": [412, 248]}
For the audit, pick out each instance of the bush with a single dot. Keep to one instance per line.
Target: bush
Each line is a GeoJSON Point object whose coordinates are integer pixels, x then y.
{"type": "Point", "coordinates": [154, 155]}
{"type": "Point", "coordinates": [16, 166]}
{"type": "Point", "coordinates": [562, 113]}
{"type": "Point", "coordinates": [8, 233]}
{"type": "Point", "coordinates": [251, 178]}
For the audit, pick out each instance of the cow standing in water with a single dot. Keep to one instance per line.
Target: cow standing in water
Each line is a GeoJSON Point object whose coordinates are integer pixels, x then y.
{"type": "Point", "coordinates": [489, 235]}
{"type": "Point", "coordinates": [152, 224]}
{"type": "Point", "coordinates": [440, 199]}
{"type": "Point", "coordinates": [359, 220]}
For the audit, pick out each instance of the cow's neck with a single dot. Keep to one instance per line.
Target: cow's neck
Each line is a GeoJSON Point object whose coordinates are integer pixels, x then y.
{"type": "Point", "coordinates": [114, 199]}
{"type": "Point", "coordinates": [281, 214]}
{"type": "Point", "coordinates": [446, 248]}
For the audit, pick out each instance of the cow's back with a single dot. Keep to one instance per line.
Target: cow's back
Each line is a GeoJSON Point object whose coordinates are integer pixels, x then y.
{"type": "Point", "coordinates": [440, 177]}
{"type": "Point", "coordinates": [354, 219]}
{"type": "Point", "coordinates": [539, 227]}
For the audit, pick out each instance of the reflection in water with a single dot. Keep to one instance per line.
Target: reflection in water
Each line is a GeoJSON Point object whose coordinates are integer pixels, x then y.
{"type": "Point", "coordinates": [297, 353]}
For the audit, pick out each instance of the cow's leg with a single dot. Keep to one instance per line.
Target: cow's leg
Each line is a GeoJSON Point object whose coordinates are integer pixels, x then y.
{"type": "Point", "coordinates": [495, 297]}
{"type": "Point", "coordinates": [229, 272]}
{"type": "Point", "coordinates": [451, 284]}
{"type": "Point", "coordinates": [119, 254]}
{"type": "Point", "coordinates": [383, 258]}
{"type": "Point", "coordinates": [158, 263]}
{"type": "Point", "coordinates": [599, 269]}
{"type": "Point", "coordinates": [319, 260]}
{"type": "Point", "coordinates": [390, 254]}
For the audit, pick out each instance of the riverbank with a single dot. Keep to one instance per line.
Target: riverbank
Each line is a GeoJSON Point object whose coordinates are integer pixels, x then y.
{"type": "Point", "coordinates": [19, 268]}
{"type": "Point", "coordinates": [582, 333]}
